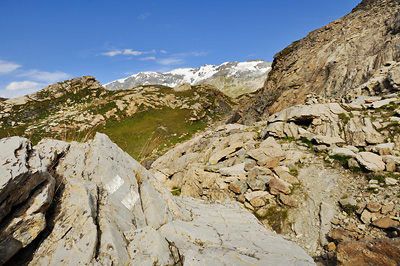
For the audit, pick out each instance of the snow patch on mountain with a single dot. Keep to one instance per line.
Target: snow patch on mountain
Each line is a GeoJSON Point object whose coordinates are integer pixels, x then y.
{"type": "Point", "coordinates": [232, 78]}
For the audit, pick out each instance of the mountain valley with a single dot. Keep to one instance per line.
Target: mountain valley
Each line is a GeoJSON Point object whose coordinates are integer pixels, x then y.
{"type": "Point", "coordinates": [247, 163]}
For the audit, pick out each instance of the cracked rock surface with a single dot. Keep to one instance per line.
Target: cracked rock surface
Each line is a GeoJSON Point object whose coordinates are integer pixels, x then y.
{"type": "Point", "coordinates": [92, 204]}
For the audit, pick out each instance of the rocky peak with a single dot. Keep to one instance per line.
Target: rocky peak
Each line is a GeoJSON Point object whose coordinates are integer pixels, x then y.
{"type": "Point", "coordinates": [56, 90]}
{"type": "Point", "coordinates": [69, 86]}
{"type": "Point", "coordinates": [368, 4]}
{"type": "Point", "coordinates": [333, 59]}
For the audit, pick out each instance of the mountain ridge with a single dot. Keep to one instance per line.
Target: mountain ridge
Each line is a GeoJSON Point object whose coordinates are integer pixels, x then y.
{"type": "Point", "coordinates": [333, 59]}
{"type": "Point", "coordinates": [232, 78]}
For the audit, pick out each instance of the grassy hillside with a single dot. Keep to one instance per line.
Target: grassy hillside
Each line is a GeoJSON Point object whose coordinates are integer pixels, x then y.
{"type": "Point", "coordinates": [143, 121]}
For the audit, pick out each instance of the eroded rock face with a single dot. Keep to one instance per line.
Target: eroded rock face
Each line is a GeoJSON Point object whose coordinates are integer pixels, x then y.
{"type": "Point", "coordinates": [333, 59]}
{"type": "Point", "coordinates": [26, 192]}
{"type": "Point", "coordinates": [108, 209]}
{"type": "Point", "coordinates": [320, 119]}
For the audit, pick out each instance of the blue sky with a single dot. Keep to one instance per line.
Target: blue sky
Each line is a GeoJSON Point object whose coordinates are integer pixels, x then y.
{"type": "Point", "coordinates": [46, 41]}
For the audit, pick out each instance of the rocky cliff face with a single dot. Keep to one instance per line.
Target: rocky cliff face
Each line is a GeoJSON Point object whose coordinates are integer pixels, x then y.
{"type": "Point", "coordinates": [331, 60]}
{"type": "Point", "coordinates": [232, 78]}
{"type": "Point", "coordinates": [92, 204]}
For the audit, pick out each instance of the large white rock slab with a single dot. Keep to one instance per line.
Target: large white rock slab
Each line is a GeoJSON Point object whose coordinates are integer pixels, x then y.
{"type": "Point", "coordinates": [112, 211]}
{"type": "Point", "coordinates": [342, 152]}
{"type": "Point", "coordinates": [371, 161]}
{"type": "Point", "coordinates": [209, 239]}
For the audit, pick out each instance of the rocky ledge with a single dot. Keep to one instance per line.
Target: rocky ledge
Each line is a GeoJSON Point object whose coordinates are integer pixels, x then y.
{"type": "Point", "coordinates": [92, 204]}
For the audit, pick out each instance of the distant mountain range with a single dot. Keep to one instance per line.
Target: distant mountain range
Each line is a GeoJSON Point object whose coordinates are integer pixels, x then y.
{"type": "Point", "coordinates": [232, 78]}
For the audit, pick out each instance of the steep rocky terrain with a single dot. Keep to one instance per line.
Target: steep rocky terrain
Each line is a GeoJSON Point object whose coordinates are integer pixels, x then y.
{"type": "Point", "coordinates": [141, 120]}
{"type": "Point", "coordinates": [334, 59]}
{"type": "Point", "coordinates": [319, 173]}
{"type": "Point", "coordinates": [321, 167]}
{"type": "Point", "coordinates": [92, 204]}
{"type": "Point", "coordinates": [232, 78]}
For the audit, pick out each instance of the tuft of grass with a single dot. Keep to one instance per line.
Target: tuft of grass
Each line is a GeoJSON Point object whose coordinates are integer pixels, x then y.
{"type": "Point", "coordinates": [294, 172]}
{"type": "Point", "coordinates": [361, 149]}
{"type": "Point", "coordinates": [372, 190]}
{"type": "Point", "coordinates": [176, 191]}
{"type": "Point", "coordinates": [307, 141]}
{"type": "Point", "coordinates": [275, 217]}
{"type": "Point", "coordinates": [345, 119]}
{"type": "Point", "coordinates": [289, 139]}
{"type": "Point", "coordinates": [393, 175]}
{"type": "Point", "coordinates": [341, 158]}
{"type": "Point", "coordinates": [350, 209]}
{"type": "Point", "coordinates": [295, 187]}
{"type": "Point", "coordinates": [356, 169]}
{"type": "Point", "coordinates": [379, 178]}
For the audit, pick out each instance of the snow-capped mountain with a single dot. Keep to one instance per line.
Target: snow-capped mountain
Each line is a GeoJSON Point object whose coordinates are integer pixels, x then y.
{"type": "Point", "coordinates": [232, 78]}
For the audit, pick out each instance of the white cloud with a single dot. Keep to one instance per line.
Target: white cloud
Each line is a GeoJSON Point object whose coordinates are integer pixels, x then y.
{"type": "Point", "coordinates": [147, 58]}
{"type": "Point", "coordinates": [144, 16]}
{"type": "Point", "coordinates": [163, 51]}
{"type": "Point", "coordinates": [170, 61]}
{"type": "Point", "coordinates": [48, 77]}
{"type": "Point", "coordinates": [128, 52]}
{"type": "Point", "coordinates": [112, 53]}
{"type": "Point", "coordinates": [23, 85]}
{"type": "Point", "coordinates": [7, 67]}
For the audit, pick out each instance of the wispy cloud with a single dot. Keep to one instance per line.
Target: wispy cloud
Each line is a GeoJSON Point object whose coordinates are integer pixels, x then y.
{"type": "Point", "coordinates": [170, 61]}
{"type": "Point", "coordinates": [193, 53]}
{"type": "Point", "coordinates": [148, 58]}
{"type": "Point", "coordinates": [112, 53]}
{"type": "Point", "coordinates": [8, 67]}
{"type": "Point", "coordinates": [128, 52]}
{"type": "Point", "coordinates": [131, 52]}
{"type": "Point", "coordinates": [48, 77]}
{"type": "Point", "coordinates": [23, 85]}
{"type": "Point", "coordinates": [163, 51]}
{"type": "Point", "coordinates": [144, 16]}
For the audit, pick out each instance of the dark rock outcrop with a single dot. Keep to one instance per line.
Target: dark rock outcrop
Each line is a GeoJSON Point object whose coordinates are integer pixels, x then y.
{"type": "Point", "coordinates": [370, 252]}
